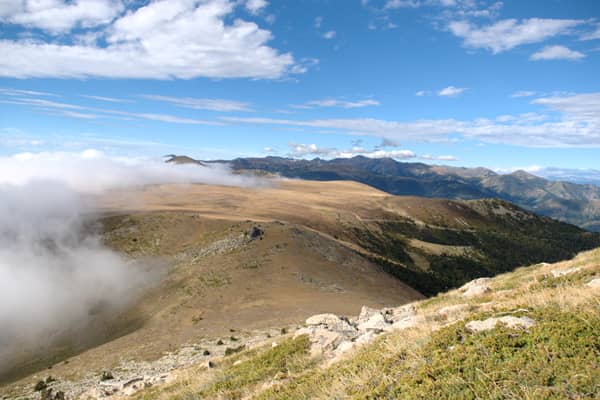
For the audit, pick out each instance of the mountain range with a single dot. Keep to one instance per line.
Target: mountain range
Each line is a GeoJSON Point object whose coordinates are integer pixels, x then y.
{"type": "Point", "coordinates": [578, 204]}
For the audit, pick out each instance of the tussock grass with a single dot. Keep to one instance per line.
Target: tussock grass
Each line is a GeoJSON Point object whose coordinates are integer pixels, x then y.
{"type": "Point", "coordinates": [555, 359]}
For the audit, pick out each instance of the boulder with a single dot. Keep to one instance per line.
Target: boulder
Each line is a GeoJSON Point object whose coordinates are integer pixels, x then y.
{"type": "Point", "coordinates": [406, 323]}
{"type": "Point", "coordinates": [331, 322]}
{"type": "Point", "coordinates": [376, 323]}
{"type": "Point", "coordinates": [322, 340]}
{"type": "Point", "coordinates": [366, 313]}
{"type": "Point", "coordinates": [509, 321]}
{"type": "Point", "coordinates": [365, 338]}
{"type": "Point", "coordinates": [399, 313]}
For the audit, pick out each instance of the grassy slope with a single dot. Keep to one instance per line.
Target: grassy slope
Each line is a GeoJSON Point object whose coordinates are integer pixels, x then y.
{"type": "Point", "coordinates": [555, 359]}
{"type": "Point", "coordinates": [321, 258]}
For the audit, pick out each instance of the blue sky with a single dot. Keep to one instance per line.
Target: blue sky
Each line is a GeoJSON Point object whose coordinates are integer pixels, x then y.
{"type": "Point", "coordinates": [504, 85]}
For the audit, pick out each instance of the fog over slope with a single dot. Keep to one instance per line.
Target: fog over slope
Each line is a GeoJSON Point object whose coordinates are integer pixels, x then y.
{"type": "Point", "coordinates": [56, 276]}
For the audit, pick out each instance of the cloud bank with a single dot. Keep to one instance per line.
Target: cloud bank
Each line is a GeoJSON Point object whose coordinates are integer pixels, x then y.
{"type": "Point", "coordinates": [57, 278]}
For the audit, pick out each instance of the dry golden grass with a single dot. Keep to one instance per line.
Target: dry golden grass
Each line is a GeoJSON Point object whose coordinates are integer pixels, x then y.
{"type": "Point", "coordinates": [373, 368]}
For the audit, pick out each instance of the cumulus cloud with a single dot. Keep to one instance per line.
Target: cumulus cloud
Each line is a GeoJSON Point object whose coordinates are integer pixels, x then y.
{"type": "Point", "coordinates": [56, 276]}
{"type": "Point", "coordinates": [163, 39]}
{"type": "Point", "coordinates": [557, 53]}
{"type": "Point", "coordinates": [451, 91]}
{"type": "Point", "coordinates": [510, 33]}
{"type": "Point", "coordinates": [256, 6]}
{"type": "Point", "coordinates": [307, 150]}
{"type": "Point", "coordinates": [58, 16]}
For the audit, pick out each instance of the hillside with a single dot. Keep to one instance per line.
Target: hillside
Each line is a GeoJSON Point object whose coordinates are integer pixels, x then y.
{"type": "Point", "coordinates": [241, 262]}
{"type": "Point", "coordinates": [531, 333]}
{"type": "Point", "coordinates": [578, 204]}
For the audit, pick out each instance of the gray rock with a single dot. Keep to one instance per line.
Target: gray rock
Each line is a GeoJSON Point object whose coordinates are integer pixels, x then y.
{"type": "Point", "coordinates": [376, 322]}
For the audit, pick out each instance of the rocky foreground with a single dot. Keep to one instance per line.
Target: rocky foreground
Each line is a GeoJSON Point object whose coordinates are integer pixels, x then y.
{"type": "Point", "coordinates": [544, 316]}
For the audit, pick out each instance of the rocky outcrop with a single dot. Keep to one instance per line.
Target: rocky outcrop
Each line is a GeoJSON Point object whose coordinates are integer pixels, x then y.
{"type": "Point", "coordinates": [131, 376]}
{"type": "Point", "coordinates": [331, 335]}
{"type": "Point", "coordinates": [476, 287]}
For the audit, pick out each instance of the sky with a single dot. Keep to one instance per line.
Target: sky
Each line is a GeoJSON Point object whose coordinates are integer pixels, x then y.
{"type": "Point", "coordinates": [501, 84]}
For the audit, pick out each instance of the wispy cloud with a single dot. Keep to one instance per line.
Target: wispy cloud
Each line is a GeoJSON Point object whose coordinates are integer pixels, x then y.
{"type": "Point", "coordinates": [336, 103]}
{"type": "Point", "coordinates": [202, 104]}
{"type": "Point", "coordinates": [568, 121]}
{"type": "Point", "coordinates": [523, 93]}
{"type": "Point", "coordinates": [107, 99]}
{"type": "Point", "coordinates": [21, 92]}
{"type": "Point", "coordinates": [84, 112]}
{"type": "Point", "coordinates": [509, 33]}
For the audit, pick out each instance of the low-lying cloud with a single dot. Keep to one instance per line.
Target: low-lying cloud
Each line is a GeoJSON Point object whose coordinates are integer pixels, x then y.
{"type": "Point", "coordinates": [56, 275]}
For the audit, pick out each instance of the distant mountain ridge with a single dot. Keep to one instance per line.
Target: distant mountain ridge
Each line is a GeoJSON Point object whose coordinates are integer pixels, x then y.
{"type": "Point", "coordinates": [578, 204]}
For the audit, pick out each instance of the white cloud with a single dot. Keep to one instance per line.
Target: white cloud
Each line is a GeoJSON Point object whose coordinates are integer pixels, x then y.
{"type": "Point", "coordinates": [104, 98]}
{"type": "Point", "coordinates": [78, 111]}
{"type": "Point", "coordinates": [329, 35]}
{"type": "Point", "coordinates": [164, 39]}
{"type": "Point", "coordinates": [510, 33]}
{"type": "Point", "coordinates": [303, 150]}
{"type": "Point", "coordinates": [256, 6]}
{"type": "Point", "coordinates": [557, 53]}
{"type": "Point", "coordinates": [447, 158]}
{"type": "Point", "coordinates": [402, 4]}
{"type": "Point", "coordinates": [569, 121]}
{"type": "Point", "coordinates": [592, 35]}
{"type": "Point", "coordinates": [58, 16]}
{"type": "Point", "coordinates": [583, 107]}
{"type": "Point", "coordinates": [56, 276]}
{"type": "Point", "coordinates": [21, 92]}
{"type": "Point", "coordinates": [202, 104]}
{"type": "Point", "coordinates": [421, 93]}
{"type": "Point", "coordinates": [523, 93]}
{"type": "Point", "coordinates": [337, 103]}
{"type": "Point", "coordinates": [451, 91]}
{"type": "Point", "coordinates": [91, 171]}
{"type": "Point", "coordinates": [438, 158]}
